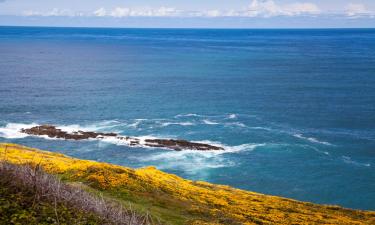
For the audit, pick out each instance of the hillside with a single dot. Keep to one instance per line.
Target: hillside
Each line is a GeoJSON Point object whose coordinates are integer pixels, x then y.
{"type": "Point", "coordinates": [173, 200]}
{"type": "Point", "coordinates": [29, 195]}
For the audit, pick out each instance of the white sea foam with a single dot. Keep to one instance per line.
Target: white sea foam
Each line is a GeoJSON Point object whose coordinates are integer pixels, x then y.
{"type": "Point", "coordinates": [231, 148]}
{"type": "Point", "coordinates": [232, 116]}
{"type": "Point", "coordinates": [97, 126]}
{"type": "Point", "coordinates": [349, 160]}
{"type": "Point", "coordinates": [165, 124]}
{"type": "Point", "coordinates": [136, 123]}
{"type": "Point", "coordinates": [311, 139]}
{"type": "Point", "coordinates": [197, 163]}
{"type": "Point", "coordinates": [192, 163]}
{"type": "Point", "coordinates": [316, 149]}
{"type": "Point", "coordinates": [209, 122]}
{"type": "Point", "coordinates": [244, 147]}
{"type": "Point", "coordinates": [236, 124]}
{"type": "Point", "coordinates": [12, 130]}
{"type": "Point", "coordinates": [261, 128]}
{"type": "Point", "coordinates": [188, 115]}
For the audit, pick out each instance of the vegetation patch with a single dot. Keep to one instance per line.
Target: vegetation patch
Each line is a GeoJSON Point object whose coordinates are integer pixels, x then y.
{"type": "Point", "coordinates": [28, 195]}
{"type": "Point", "coordinates": [174, 200]}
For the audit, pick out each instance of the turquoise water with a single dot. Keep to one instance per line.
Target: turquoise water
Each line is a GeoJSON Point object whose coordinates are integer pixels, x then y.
{"type": "Point", "coordinates": [295, 109]}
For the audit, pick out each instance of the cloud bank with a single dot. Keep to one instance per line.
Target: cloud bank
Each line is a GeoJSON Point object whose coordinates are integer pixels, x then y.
{"type": "Point", "coordinates": [256, 8]}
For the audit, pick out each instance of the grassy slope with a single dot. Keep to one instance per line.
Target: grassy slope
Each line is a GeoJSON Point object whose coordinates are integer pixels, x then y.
{"type": "Point", "coordinates": [17, 206]}
{"type": "Point", "coordinates": [178, 201]}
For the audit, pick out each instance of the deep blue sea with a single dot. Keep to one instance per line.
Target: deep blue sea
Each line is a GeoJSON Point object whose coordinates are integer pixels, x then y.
{"type": "Point", "coordinates": [295, 109]}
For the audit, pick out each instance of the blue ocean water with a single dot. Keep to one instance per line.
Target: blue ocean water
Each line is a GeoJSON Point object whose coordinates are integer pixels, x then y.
{"type": "Point", "coordinates": [295, 109]}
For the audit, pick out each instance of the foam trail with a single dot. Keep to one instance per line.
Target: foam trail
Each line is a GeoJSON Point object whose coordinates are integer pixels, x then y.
{"type": "Point", "coordinates": [136, 123]}
{"type": "Point", "coordinates": [316, 150]}
{"type": "Point", "coordinates": [165, 124]}
{"type": "Point", "coordinates": [209, 122]}
{"type": "Point", "coordinates": [349, 160]}
{"type": "Point", "coordinates": [312, 139]}
{"type": "Point", "coordinates": [237, 124]}
{"type": "Point", "coordinates": [188, 115]}
{"type": "Point", "coordinates": [232, 149]}
{"type": "Point", "coordinates": [261, 128]}
{"type": "Point", "coordinates": [195, 164]}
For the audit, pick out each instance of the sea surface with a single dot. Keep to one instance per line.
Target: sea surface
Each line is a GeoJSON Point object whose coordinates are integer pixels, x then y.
{"type": "Point", "coordinates": [294, 109]}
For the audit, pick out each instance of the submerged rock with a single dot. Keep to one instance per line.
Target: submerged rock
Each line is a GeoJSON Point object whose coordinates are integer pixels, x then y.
{"type": "Point", "coordinates": [177, 145]}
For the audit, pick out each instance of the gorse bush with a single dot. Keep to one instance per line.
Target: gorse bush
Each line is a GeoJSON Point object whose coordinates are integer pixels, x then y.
{"type": "Point", "coordinates": [179, 201]}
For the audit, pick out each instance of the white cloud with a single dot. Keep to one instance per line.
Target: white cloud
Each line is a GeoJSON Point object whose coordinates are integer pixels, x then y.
{"type": "Point", "coordinates": [212, 13]}
{"type": "Point", "coordinates": [167, 11]}
{"type": "Point", "coordinates": [120, 12]}
{"type": "Point", "coordinates": [53, 12]}
{"type": "Point", "coordinates": [158, 12]}
{"type": "Point", "coordinates": [100, 12]}
{"type": "Point", "coordinates": [256, 8]}
{"type": "Point", "coordinates": [268, 8]}
{"type": "Point", "coordinates": [356, 9]}
{"type": "Point", "coordinates": [301, 8]}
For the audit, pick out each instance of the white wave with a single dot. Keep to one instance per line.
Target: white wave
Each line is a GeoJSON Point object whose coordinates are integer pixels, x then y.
{"type": "Point", "coordinates": [244, 147]}
{"type": "Point", "coordinates": [188, 115]}
{"type": "Point", "coordinates": [165, 124]}
{"type": "Point", "coordinates": [261, 128]}
{"type": "Point", "coordinates": [209, 122]}
{"type": "Point", "coordinates": [136, 123]}
{"type": "Point", "coordinates": [97, 126]}
{"type": "Point", "coordinates": [232, 116]}
{"type": "Point", "coordinates": [237, 124]}
{"type": "Point", "coordinates": [195, 163]}
{"type": "Point", "coordinates": [12, 130]}
{"type": "Point", "coordinates": [349, 160]}
{"type": "Point", "coordinates": [312, 139]}
{"type": "Point", "coordinates": [231, 148]}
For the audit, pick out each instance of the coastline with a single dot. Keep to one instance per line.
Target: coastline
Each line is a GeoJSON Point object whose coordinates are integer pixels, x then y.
{"type": "Point", "coordinates": [179, 201]}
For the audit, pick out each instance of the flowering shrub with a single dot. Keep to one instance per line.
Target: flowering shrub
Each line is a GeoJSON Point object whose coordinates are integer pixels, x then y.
{"type": "Point", "coordinates": [194, 202]}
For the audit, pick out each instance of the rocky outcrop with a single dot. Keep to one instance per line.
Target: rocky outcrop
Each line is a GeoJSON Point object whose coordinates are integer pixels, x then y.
{"type": "Point", "coordinates": [53, 132]}
{"type": "Point", "coordinates": [178, 145]}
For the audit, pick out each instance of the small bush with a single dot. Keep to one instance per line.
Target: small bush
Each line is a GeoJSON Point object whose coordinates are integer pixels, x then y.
{"type": "Point", "coordinates": [28, 195]}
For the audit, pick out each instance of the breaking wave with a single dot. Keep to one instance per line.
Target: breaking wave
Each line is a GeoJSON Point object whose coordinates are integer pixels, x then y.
{"type": "Point", "coordinates": [13, 131]}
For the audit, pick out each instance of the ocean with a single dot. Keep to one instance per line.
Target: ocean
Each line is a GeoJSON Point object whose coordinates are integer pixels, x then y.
{"type": "Point", "coordinates": [294, 109]}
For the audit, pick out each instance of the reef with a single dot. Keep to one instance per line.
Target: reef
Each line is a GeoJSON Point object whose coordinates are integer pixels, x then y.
{"type": "Point", "coordinates": [177, 145]}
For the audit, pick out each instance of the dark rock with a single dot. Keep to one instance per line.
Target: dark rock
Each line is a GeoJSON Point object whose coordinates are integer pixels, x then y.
{"type": "Point", "coordinates": [178, 145]}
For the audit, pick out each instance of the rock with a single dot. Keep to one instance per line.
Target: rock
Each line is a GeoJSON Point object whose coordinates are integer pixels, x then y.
{"type": "Point", "coordinates": [178, 145]}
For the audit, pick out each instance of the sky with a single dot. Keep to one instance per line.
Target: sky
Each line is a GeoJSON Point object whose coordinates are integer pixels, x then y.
{"type": "Point", "coordinates": [193, 13]}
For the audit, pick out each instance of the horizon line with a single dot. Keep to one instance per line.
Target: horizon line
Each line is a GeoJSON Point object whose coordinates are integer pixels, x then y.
{"type": "Point", "coordinates": [195, 28]}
